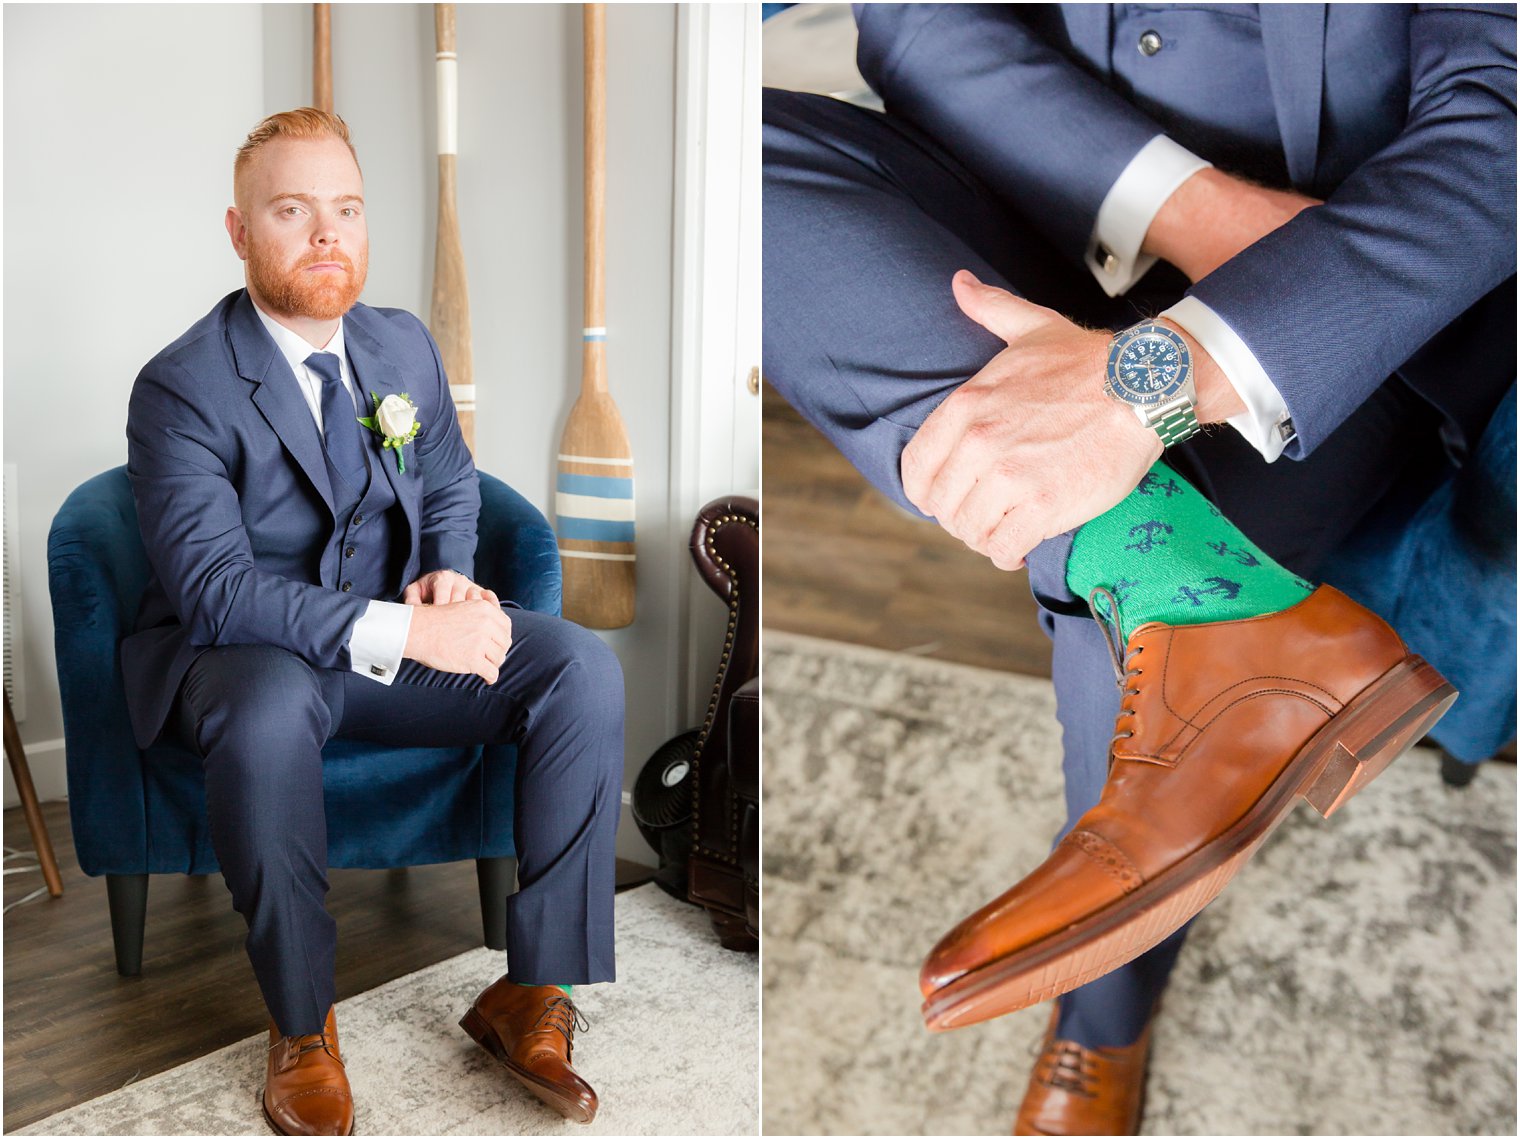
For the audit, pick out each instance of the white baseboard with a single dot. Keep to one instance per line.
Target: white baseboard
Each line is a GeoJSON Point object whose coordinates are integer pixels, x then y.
{"type": "Point", "coordinates": [45, 760]}
{"type": "Point", "coordinates": [630, 843]}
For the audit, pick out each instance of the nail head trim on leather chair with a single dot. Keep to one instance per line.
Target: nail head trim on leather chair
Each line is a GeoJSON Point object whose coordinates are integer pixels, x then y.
{"type": "Point", "coordinates": [725, 543]}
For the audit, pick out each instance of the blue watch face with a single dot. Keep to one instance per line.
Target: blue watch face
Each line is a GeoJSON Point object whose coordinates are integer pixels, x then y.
{"type": "Point", "coordinates": [1148, 365]}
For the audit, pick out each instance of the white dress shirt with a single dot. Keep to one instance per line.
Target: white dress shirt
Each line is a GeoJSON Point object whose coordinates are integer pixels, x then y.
{"type": "Point", "coordinates": [1114, 257]}
{"type": "Point", "coordinates": [379, 636]}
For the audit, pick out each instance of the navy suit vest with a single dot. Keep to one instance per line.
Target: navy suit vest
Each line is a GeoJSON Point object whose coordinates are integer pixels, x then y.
{"type": "Point", "coordinates": [368, 531]}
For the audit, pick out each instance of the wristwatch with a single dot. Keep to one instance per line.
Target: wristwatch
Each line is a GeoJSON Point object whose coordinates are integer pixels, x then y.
{"type": "Point", "coordinates": [1151, 370]}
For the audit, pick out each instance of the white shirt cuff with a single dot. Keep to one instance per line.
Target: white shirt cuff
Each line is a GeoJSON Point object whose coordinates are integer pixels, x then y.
{"type": "Point", "coordinates": [1265, 423]}
{"type": "Point", "coordinates": [378, 640]}
{"type": "Point", "coordinates": [1132, 203]}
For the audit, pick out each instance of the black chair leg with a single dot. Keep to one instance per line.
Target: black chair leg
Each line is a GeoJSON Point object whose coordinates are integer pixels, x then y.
{"type": "Point", "coordinates": [128, 898]}
{"type": "Point", "coordinates": [1455, 773]}
{"type": "Point", "coordinates": [498, 878]}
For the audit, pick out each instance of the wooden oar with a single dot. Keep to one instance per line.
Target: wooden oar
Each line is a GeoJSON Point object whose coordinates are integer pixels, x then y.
{"type": "Point", "coordinates": [449, 320]}
{"type": "Point", "coordinates": [321, 57]}
{"type": "Point", "coordinates": [594, 491]}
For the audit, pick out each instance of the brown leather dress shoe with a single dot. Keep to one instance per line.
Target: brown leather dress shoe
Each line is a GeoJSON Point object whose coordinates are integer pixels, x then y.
{"type": "Point", "coordinates": [1085, 1091]}
{"type": "Point", "coordinates": [306, 1089]}
{"type": "Point", "coordinates": [531, 1030]}
{"type": "Point", "coordinates": [1223, 728]}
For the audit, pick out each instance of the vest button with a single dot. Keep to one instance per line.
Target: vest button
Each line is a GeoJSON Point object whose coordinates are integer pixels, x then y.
{"type": "Point", "coordinates": [347, 585]}
{"type": "Point", "coordinates": [1150, 43]}
{"type": "Point", "coordinates": [348, 553]}
{"type": "Point", "coordinates": [358, 519]}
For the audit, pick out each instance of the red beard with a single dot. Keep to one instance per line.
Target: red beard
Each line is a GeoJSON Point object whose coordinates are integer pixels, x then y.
{"type": "Point", "coordinates": [296, 292]}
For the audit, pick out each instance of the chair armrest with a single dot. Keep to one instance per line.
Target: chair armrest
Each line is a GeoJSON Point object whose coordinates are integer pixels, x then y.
{"type": "Point", "coordinates": [96, 573]}
{"type": "Point", "coordinates": [516, 553]}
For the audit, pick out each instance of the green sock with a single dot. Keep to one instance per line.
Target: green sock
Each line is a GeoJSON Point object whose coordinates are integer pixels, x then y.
{"type": "Point", "coordinates": [569, 989]}
{"type": "Point", "coordinates": [1166, 554]}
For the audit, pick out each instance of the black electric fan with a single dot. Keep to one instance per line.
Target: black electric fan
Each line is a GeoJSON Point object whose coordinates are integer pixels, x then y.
{"type": "Point", "coordinates": [662, 797]}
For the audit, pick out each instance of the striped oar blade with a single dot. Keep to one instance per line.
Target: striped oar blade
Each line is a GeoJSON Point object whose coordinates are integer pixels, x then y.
{"type": "Point", "coordinates": [594, 514]}
{"type": "Point", "coordinates": [594, 493]}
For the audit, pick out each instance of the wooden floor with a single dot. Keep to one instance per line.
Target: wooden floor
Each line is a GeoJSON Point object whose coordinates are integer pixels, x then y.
{"type": "Point", "coordinates": [75, 1030]}
{"type": "Point", "coordinates": [843, 562]}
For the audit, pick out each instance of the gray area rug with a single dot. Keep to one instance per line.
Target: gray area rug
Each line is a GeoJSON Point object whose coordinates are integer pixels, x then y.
{"type": "Point", "coordinates": [1358, 977]}
{"type": "Point", "coordinates": [672, 1051]}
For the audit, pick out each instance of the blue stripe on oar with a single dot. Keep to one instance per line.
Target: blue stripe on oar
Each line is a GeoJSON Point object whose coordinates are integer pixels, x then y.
{"type": "Point", "coordinates": [596, 486]}
{"type": "Point", "coordinates": [595, 530]}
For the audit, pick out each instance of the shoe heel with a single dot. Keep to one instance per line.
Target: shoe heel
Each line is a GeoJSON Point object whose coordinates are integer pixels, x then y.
{"type": "Point", "coordinates": [1379, 726]}
{"type": "Point", "coordinates": [479, 1030]}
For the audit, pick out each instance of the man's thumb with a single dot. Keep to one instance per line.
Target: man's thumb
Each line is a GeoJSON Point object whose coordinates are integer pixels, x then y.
{"type": "Point", "coordinates": [997, 310]}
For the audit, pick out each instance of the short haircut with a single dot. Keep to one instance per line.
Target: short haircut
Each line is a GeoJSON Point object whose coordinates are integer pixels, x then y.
{"type": "Point", "coordinates": [302, 123]}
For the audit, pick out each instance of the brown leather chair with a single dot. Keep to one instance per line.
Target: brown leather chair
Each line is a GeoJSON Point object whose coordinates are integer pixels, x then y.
{"type": "Point", "coordinates": [723, 870]}
{"type": "Point", "coordinates": [744, 771]}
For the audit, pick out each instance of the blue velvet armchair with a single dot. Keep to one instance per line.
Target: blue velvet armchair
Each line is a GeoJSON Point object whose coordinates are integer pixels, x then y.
{"type": "Point", "coordinates": [137, 813]}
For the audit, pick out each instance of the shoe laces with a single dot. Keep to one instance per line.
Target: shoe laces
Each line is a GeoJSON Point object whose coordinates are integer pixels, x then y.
{"type": "Point", "coordinates": [1123, 660]}
{"type": "Point", "coordinates": [563, 1017]}
{"type": "Point", "coordinates": [1069, 1067]}
{"type": "Point", "coordinates": [310, 1043]}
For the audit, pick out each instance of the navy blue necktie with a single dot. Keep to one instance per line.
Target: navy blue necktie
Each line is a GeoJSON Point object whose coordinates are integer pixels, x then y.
{"type": "Point", "coordinates": [340, 426]}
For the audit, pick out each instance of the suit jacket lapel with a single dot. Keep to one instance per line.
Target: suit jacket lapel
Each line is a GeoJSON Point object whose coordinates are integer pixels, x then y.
{"type": "Point", "coordinates": [1293, 36]}
{"type": "Point", "coordinates": [276, 395]}
{"type": "Point", "coordinates": [374, 373]}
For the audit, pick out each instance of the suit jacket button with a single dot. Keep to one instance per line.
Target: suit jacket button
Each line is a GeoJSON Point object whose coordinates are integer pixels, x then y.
{"type": "Point", "coordinates": [347, 585]}
{"type": "Point", "coordinates": [1150, 43]}
{"type": "Point", "coordinates": [358, 519]}
{"type": "Point", "coordinates": [348, 553]}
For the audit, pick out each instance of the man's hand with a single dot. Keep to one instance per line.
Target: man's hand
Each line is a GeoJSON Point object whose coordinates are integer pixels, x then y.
{"type": "Point", "coordinates": [442, 587]}
{"type": "Point", "coordinates": [1030, 446]}
{"type": "Point", "coordinates": [461, 636]}
{"type": "Point", "coordinates": [1213, 216]}
{"type": "Point", "coordinates": [458, 627]}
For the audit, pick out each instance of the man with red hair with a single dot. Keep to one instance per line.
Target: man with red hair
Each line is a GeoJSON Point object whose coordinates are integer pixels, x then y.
{"type": "Point", "coordinates": [309, 583]}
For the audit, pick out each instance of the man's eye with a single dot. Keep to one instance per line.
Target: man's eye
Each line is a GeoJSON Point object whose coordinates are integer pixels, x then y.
{"type": "Point", "coordinates": [291, 210]}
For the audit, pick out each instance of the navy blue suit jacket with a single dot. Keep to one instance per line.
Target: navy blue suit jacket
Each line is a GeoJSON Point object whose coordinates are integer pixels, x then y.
{"type": "Point", "coordinates": [1402, 117]}
{"type": "Point", "coordinates": [235, 506]}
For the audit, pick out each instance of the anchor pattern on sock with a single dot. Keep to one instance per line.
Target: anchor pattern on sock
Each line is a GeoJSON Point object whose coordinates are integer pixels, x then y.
{"type": "Point", "coordinates": [1197, 565]}
{"type": "Point", "coordinates": [1150, 534]}
{"type": "Point", "coordinates": [1150, 484]}
{"type": "Point", "coordinates": [1199, 595]}
{"type": "Point", "coordinates": [1244, 557]}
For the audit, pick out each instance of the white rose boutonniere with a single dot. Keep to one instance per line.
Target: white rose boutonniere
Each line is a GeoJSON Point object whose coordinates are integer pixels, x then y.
{"type": "Point", "coordinates": [395, 421]}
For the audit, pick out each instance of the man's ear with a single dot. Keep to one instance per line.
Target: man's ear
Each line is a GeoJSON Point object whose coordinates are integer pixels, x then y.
{"type": "Point", "coordinates": [238, 232]}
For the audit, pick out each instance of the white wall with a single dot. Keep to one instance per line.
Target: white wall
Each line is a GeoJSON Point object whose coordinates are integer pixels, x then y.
{"type": "Point", "coordinates": [120, 123]}
{"type": "Point", "coordinates": [117, 171]}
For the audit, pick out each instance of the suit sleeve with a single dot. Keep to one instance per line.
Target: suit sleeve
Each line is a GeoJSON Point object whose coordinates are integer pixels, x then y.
{"type": "Point", "coordinates": [192, 529]}
{"type": "Point", "coordinates": [1335, 301]}
{"type": "Point", "coordinates": [451, 491]}
{"type": "Point", "coordinates": [1049, 138]}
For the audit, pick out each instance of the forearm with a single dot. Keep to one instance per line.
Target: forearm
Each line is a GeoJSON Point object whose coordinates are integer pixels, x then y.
{"type": "Point", "coordinates": [1213, 216]}
{"type": "Point", "coordinates": [1339, 297]}
{"type": "Point", "coordinates": [1011, 93]}
{"type": "Point", "coordinates": [245, 605]}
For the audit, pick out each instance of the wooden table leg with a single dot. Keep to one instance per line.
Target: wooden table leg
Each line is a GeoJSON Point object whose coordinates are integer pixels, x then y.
{"type": "Point", "coordinates": [16, 755]}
